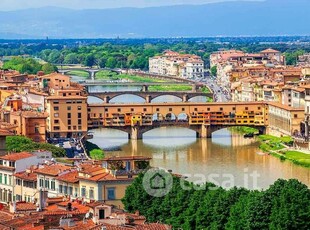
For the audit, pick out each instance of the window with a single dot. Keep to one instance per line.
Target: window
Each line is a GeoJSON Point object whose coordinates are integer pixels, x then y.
{"type": "Point", "coordinates": [170, 109]}
{"type": "Point", "coordinates": [79, 115]}
{"type": "Point", "coordinates": [0, 178]}
{"type": "Point", "coordinates": [47, 183]}
{"type": "Point", "coordinates": [65, 189]}
{"type": "Point", "coordinates": [144, 109]}
{"type": "Point", "coordinates": [53, 185]}
{"type": "Point", "coordinates": [56, 121]}
{"type": "Point", "coordinates": [246, 108]}
{"type": "Point", "coordinates": [10, 180]}
{"type": "Point", "coordinates": [18, 181]}
{"type": "Point", "coordinates": [221, 109]}
{"type": "Point", "coordinates": [295, 115]}
{"type": "Point", "coordinates": [106, 110]}
{"type": "Point", "coordinates": [41, 183]}
{"type": "Point", "coordinates": [68, 115]}
{"type": "Point", "coordinates": [195, 109]}
{"type": "Point", "coordinates": [56, 108]}
{"type": "Point", "coordinates": [56, 102]}
{"type": "Point", "coordinates": [69, 122]}
{"type": "Point", "coordinates": [157, 109]}
{"type": "Point", "coordinates": [79, 108]}
{"type": "Point", "coordinates": [111, 193]}
{"type": "Point", "coordinates": [91, 193]}
{"type": "Point", "coordinates": [60, 188]}
{"type": "Point", "coordinates": [119, 110]}
{"type": "Point", "coordinates": [79, 121]}
{"type": "Point", "coordinates": [68, 107]}
{"type": "Point", "coordinates": [70, 191]}
{"type": "Point", "coordinates": [83, 191]}
{"type": "Point", "coordinates": [36, 129]}
{"type": "Point", "coordinates": [132, 109]}
{"type": "Point", "coordinates": [56, 128]}
{"type": "Point", "coordinates": [56, 114]}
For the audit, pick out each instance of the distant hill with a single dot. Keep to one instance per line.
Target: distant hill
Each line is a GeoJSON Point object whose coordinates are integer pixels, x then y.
{"type": "Point", "coordinates": [272, 17]}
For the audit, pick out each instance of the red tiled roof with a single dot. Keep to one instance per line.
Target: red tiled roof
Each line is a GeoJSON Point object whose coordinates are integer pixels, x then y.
{"type": "Point", "coordinates": [26, 176]}
{"type": "Point", "coordinates": [52, 170]}
{"type": "Point", "coordinates": [17, 156]}
{"type": "Point", "coordinates": [70, 177]}
{"type": "Point", "coordinates": [270, 51]}
{"type": "Point", "coordinates": [24, 206]}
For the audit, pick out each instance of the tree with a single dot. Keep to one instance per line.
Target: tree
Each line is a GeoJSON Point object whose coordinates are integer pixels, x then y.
{"type": "Point", "coordinates": [21, 143]}
{"type": "Point", "coordinates": [48, 68]}
{"type": "Point", "coordinates": [89, 60]}
{"type": "Point", "coordinates": [97, 154]}
{"type": "Point", "coordinates": [214, 70]}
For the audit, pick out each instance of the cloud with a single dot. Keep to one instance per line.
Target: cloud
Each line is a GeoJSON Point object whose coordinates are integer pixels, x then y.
{"type": "Point", "coordinates": [91, 4]}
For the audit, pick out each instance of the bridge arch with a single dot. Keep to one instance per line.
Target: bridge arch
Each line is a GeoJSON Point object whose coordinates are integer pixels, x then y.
{"type": "Point", "coordinates": [129, 96]}
{"type": "Point", "coordinates": [170, 117]}
{"type": "Point", "coordinates": [156, 99]}
{"type": "Point", "coordinates": [183, 117]}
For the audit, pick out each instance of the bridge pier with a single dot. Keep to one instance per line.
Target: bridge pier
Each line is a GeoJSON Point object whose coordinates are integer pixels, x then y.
{"type": "Point", "coordinates": [135, 133]}
{"type": "Point", "coordinates": [194, 88]}
{"type": "Point", "coordinates": [148, 98]}
{"type": "Point", "coordinates": [145, 88]}
{"type": "Point", "coordinates": [204, 132]}
{"type": "Point", "coordinates": [107, 99]}
{"type": "Point", "coordinates": [185, 98]}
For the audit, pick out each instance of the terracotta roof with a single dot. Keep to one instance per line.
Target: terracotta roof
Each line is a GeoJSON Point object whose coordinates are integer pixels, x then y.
{"type": "Point", "coordinates": [17, 156]}
{"type": "Point", "coordinates": [31, 114]}
{"type": "Point", "coordinates": [52, 170]}
{"type": "Point", "coordinates": [24, 206]}
{"type": "Point", "coordinates": [270, 51]}
{"type": "Point", "coordinates": [70, 177]}
{"type": "Point", "coordinates": [285, 107]}
{"type": "Point", "coordinates": [26, 176]}
{"type": "Point", "coordinates": [4, 133]}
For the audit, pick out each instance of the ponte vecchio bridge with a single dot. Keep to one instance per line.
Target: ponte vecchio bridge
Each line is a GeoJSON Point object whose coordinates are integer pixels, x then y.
{"type": "Point", "coordinates": [203, 118]}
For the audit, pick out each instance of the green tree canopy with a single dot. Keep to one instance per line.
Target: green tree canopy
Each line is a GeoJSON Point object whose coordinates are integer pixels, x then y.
{"type": "Point", "coordinates": [97, 154]}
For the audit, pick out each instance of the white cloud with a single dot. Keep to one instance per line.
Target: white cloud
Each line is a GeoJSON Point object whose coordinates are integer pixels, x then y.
{"type": "Point", "coordinates": [6, 5]}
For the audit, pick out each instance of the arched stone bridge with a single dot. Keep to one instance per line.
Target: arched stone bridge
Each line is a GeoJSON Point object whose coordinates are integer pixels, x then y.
{"type": "Point", "coordinates": [202, 131]}
{"type": "Point", "coordinates": [91, 71]}
{"type": "Point", "coordinates": [148, 96]}
{"type": "Point", "coordinates": [203, 118]}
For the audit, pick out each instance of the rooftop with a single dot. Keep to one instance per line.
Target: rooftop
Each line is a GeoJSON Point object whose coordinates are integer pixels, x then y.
{"type": "Point", "coordinates": [16, 156]}
{"type": "Point", "coordinates": [52, 169]}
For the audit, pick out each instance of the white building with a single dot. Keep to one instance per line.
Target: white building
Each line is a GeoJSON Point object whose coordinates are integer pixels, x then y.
{"type": "Point", "coordinates": [15, 163]}
{"type": "Point", "coordinates": [175, 64]}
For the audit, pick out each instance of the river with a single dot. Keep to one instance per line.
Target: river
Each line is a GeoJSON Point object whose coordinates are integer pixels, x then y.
{"type": "Point", "coordinates": [228, 159]}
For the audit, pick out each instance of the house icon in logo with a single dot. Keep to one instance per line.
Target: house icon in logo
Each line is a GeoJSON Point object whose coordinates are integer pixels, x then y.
{"type": "Point", "coordinates": [157, 181]}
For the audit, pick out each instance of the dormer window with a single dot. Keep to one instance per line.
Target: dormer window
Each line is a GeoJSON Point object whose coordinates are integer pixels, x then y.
{"type": "Point", "coordinates": [12, 164]}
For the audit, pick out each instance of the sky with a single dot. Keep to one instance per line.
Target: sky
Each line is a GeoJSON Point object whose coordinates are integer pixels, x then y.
{"type": "Point", "coordinates": [7, 5]}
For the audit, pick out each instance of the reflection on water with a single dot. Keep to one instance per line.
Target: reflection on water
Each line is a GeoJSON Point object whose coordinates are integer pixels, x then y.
{"type": "Point", "coordinates": [226, 159]}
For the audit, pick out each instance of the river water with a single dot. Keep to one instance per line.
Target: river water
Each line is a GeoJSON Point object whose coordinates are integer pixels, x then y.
{"type": "Point", "coordinates": [228, 159]}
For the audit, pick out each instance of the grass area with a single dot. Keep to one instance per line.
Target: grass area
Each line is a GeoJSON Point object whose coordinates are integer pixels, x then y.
{"type": "Point", "coordinates": [298, 157]}
{"type": "Point", "coordinates": [244, 130]}
{"type": "Point", "coordinates": [272, 143]}
{"type": "Point", "coordinates": [170, 87]}
{"type": "Point", "coordinates": [275, 146]}
{"type": "Point", "coordinates": [205, 90]}
{"type": "Point", "coordinates": [78, 73]}
{"type": "Point", "coordinates": [108, 75]}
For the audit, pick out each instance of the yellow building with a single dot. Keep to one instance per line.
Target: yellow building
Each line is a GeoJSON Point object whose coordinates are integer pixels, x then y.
{"type": "Point", "coordinates": [67, 111]}
{"type": "Point", "coordinates": [108, 182]}
{"type": "Point", "coordinates": [26, 186]}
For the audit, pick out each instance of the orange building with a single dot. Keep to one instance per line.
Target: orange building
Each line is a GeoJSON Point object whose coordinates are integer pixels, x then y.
{"type": "Point", "coordinates": [67, 111]}
{"type": "Point", "coordinates": [30, 124]}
